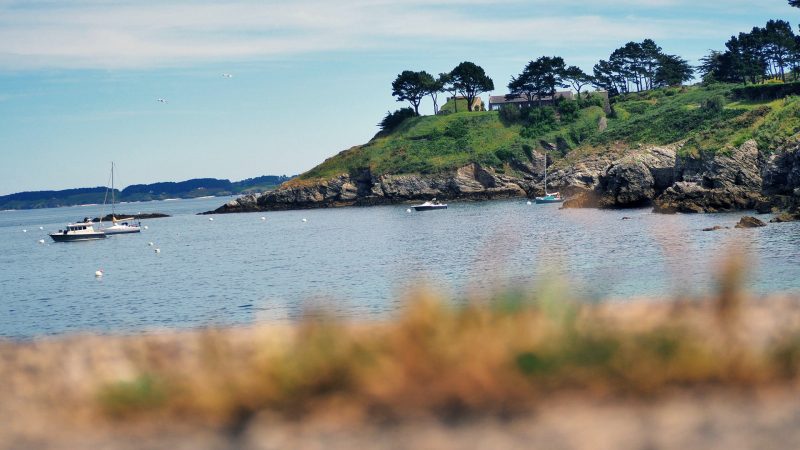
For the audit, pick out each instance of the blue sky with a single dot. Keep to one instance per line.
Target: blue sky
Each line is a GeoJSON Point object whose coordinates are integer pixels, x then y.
{"type": "Point", "coordinates": [79, 79]}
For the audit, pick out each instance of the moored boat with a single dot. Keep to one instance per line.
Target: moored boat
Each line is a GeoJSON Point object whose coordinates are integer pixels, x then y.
{"type": "Point", "coordinates": [550, 198]}
{"type": "Point", "coordinates": [119, 226]}
{"type": "Point", "coordinates": [78, 232]}
{"type": "Point", "coordinates": [554, 197]}
{"type": "Point", "coordinates": [430, 205]}
{"type": "Point", "coordinates": [123, 226]}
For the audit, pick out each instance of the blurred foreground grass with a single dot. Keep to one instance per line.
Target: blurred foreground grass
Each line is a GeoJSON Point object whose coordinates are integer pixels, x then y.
{"type": "Point", "coordinates": [499, 356]}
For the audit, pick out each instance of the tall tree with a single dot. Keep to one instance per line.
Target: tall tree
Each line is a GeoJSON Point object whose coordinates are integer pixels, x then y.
{"type": "Point", "coordinates": [412, 87]}
{"type": "Point", "coordinates": [450, 87]}
{"type": "Point", "coordinates": [607, 76]}
{"type": "Point", "coordinates": [747, 56]}
{"type": "Point", "coordinates": [650, 60]}
{"type": "Point", "coordinates": [470, 80]}
{"type": "Point", "coordinates": [576, 78]}
{"type": "Point", "coordinates": [780, 45]}
{"type": "Point", "coordinates": [539, 79]}
{"type": "Point", "coordinates": [434, 87]}
{"type": "Point", "coordinates": [672, 71]}
{"type": "Point", "coordinates": [718, 66]}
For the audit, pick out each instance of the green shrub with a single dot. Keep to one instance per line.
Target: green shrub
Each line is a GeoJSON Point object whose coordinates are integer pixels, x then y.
{"type": "Point", "coordinates": [765, 92]}
{"type": "Point", "coordinates": [568, 110]}
{"type": "Point", "coordinates": [538, 121]}
{"type": "Point", "coordinates": [509, 114]}
{"type": "Point", "coordinates": [504, 154]}
{"type": "Point", "coordinates": [713, 105]}
{"type": "Point", "coordinates": [457, 129]}
{"type": "Point", "coordinates": [593, 100]}
{"type": "Point", "coordinates": [394, 119]}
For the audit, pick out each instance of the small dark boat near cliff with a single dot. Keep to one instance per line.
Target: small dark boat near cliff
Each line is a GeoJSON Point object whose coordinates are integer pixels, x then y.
{"type": "Point", "coordinates": [427, 206]}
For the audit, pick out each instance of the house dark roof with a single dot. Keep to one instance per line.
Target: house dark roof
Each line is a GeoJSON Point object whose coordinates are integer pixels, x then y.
{"type": "Point", "coordinates": [502, 99]}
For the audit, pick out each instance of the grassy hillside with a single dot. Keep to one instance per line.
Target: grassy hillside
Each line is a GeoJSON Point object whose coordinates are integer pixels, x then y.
{"type": "Point", "coordinates": [707, 118]}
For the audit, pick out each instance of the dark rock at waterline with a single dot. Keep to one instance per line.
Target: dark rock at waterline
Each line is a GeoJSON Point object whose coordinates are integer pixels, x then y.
{"type": "Point", "coordinates": [635, 179]}
{"type": "Point", "coordinates": [471, 182]}
{"type": "Point", "coordinates": [715, 228]}
{"type": "Point", "coordinates": [750, 222]}
{"type": "Point", "coordinates": [143, 216]}
{"type": "Point", "coordinates": [786, 217]}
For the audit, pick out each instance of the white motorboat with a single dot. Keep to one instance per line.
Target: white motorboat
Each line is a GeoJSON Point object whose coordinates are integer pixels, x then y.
{"type": "Point", "coordinates": [78, 232]}
{"type": "Point", "coordinates": [430, 205]}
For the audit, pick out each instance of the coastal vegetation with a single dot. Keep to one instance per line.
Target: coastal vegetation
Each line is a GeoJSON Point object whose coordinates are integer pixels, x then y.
{"type": "Point", "coordinates": [709, 118]}
{"type": "Point", "coordinates": [747, 92]}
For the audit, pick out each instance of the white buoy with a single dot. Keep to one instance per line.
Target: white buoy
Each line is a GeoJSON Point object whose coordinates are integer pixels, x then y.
{"type": "Point", "coordinates": [41, 228]}
{"type": "Point", "coordinates": [145, 227]}
{"type": "Point", "coordinates": [529, 203]}
{"type": "Point", "coordinates": [408, 210]}
{"type": "Point", "coordinates": [150, 244]}
{"type": "Point", "coordinates": [210, 219]}
{"type": "Point", "coordinates": [24, 231]}
{"type": "Point", "coordinates": [305, 220]}
{"type": "Point", "coordinates": [98, 273]}
{"type": "Point", "coordinates": [41, 241]}
{"type": "Point", "coordinates": [263, 218]}
{"type": "Point", "coordinates": [158, 250]}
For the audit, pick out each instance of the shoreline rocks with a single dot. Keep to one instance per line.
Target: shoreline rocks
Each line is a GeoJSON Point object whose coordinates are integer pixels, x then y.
{"type": "Point", "coordinates": [742, 178]}
{"type": "Point", "coordinates": [471, 182]}
{"type": "Point", "coordinates": [750, 222]}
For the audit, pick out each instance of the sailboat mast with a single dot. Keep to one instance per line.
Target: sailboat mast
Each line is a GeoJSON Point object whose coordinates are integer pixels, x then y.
{"type": "Point", "coordinates": [112, 192]}
{"type": "Point", "coordinates": [545, 176]}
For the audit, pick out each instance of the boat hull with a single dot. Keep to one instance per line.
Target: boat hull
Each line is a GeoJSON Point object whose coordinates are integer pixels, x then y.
{"type": "Point", "coordinates": [61, 237]}
{"type": "Point", "coordinates": [545, 200]}
{"type": "Point", "coordinates": [111, 231]}
{"type": "Point", "coordinates": [429, 207]}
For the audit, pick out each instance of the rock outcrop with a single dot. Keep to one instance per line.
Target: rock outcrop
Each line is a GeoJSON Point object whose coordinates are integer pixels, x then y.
{"type": "Point", "coordinates": [750, 222]}
{"type": "Point", "coordinates": [636, 179]}
{"type": "Point", "coordinates": [471, 182]}
{"type": "Point", "coordinates": [723, 181]}
{"type": "Point", "coordinates": [739, 179]}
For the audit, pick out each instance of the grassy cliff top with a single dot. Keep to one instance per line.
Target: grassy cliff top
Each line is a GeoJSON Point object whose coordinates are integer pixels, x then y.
{"type": "Point", "coordinates": [706, 118]}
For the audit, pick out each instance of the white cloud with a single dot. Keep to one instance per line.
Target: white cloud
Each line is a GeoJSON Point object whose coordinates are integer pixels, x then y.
{"type": "Point", "coordinates": [105, 34]}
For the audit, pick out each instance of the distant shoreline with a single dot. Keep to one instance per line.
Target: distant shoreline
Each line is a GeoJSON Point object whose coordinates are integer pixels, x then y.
{"type": "Point", "coordinates": [194, 188]}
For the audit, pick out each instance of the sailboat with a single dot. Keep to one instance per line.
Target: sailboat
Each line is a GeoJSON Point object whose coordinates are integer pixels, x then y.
{"type": "Point", "coordinates": [120, 226]}
{"type": "Point", "coordinates": [553, 197]}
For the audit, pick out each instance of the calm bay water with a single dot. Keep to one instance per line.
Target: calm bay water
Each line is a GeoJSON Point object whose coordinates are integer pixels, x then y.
{"type": "Point", "coordinates": [357, 262]}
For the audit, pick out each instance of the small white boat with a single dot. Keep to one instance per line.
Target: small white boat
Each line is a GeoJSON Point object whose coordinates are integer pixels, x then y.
{"type": "Point", "coordinates": [119, 226]}
{"type": "Point", "coordinates": [430, 205]}
{"type": "Point", "coordinates": [550, 198]}
{"type": "Point", "coordinates": [78, 232]}
{"type": "Point", "coordinates": [554, 197]}
{"type": "Point", "coordinates": [123, 226]}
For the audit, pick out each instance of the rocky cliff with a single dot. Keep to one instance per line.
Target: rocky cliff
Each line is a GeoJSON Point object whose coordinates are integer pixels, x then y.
{"type": "Point", "coordinates": [742, 178]}
{"type": "Point", "coordinates": [471, 182]}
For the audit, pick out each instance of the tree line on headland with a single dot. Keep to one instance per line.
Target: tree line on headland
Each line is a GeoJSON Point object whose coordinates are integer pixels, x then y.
{"type": "Point", "coordinates": [765, 54]}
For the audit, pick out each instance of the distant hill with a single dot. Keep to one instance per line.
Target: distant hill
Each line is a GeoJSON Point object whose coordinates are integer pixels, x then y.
{"type": "Point", "coordinates": [199, 187]}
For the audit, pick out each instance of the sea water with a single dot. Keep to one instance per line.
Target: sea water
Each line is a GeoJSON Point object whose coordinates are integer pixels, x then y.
{"type": "Point", "coordinates": [358, 263]}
